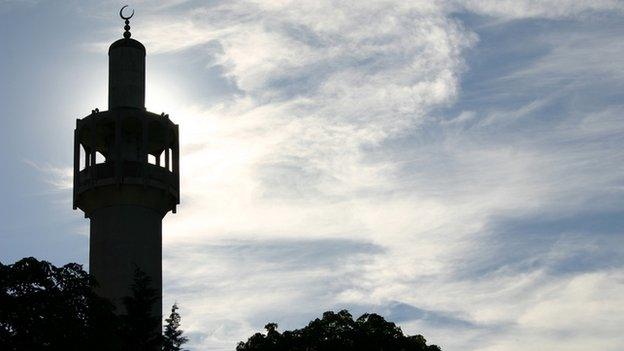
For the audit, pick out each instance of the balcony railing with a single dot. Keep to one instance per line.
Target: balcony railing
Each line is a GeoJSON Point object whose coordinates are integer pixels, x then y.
{"type": "Point", "coordinates": [130, 173]}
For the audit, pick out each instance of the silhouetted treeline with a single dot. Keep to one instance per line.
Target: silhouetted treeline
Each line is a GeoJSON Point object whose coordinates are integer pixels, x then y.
{"type": "Point", "coordinates": [43, 307]}
{"type": "Point", "coordinates": [338, 332]}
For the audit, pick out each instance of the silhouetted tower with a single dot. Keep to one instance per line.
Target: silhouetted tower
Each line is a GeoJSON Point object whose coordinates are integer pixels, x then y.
{"type": "Point", "coordinates": [126, 176]}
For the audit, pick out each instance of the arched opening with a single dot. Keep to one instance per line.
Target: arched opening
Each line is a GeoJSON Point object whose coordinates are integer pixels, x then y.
{"type": "Point", "coordinates": [84, 158]}
{"type": "Point", "coordinates": [99, 158]}
{"type": "Point", "coordinates": [168, 158]}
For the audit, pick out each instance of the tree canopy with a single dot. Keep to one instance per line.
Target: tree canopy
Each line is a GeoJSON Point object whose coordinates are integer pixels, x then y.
{"type": "Point", "coordinates": [43, 307]}
{"type": "Point", "coordinates": [338, 331]}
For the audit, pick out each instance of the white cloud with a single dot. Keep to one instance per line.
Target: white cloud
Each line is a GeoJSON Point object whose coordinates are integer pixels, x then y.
{"type": "Point", "coordinates": [303, 153]}
{"type": "Point", "coordinates": [329, 179]}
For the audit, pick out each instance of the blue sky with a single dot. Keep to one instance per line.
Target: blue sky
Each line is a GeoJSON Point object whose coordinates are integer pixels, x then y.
{"type": "Point", "coordinates": [454, 165]}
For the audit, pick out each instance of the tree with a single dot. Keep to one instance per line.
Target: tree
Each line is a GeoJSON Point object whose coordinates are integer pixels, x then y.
{"type": "Point", "coordinates": [53, 308]}
{"type": "Point", "coordinates": [140, 326]}
{"type": "Point", "coordinates": [338, 331]}
{"type": "Point", "coordinates": [172, 337]}
{"type": "Point", "coordinates": [44, 307]}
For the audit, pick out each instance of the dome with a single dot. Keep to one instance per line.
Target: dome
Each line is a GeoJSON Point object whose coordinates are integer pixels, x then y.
{"type": "Point", "coordinates": [127, 43]}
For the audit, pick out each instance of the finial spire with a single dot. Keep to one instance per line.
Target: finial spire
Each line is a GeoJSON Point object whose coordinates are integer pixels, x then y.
{"type": "Point", "coordinates": [127, 19]}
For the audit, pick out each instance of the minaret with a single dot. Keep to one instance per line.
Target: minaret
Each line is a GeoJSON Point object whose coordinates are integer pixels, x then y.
{"type": "Point", "coordinates": [126, 176]}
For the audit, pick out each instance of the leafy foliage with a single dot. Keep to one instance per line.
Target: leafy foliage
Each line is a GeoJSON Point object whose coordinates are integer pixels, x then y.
{"type": "Point", "coordinates": [338, 331]}
{"type": "Point", "coordinates": [172, 337]}
{"type": "Point", "coordinates": [42, 306]}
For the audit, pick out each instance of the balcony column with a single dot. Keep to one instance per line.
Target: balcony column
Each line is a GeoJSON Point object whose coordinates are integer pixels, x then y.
{"type": "Point", "coordinates": [76, 162]}
{"type": "Point", "coordinates": [167, 142]}
{"type": "Point", "coordinates": [92, 126]}
{"type": "Point", "coordinates": [176, 160]}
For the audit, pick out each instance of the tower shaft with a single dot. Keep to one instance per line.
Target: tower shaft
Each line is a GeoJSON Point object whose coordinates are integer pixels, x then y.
{"type": "Point", "coordinates": [123, 238]}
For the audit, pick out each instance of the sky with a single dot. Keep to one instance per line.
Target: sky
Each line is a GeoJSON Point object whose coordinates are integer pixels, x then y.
{"type": "Point", "coordinates": [455, 166]}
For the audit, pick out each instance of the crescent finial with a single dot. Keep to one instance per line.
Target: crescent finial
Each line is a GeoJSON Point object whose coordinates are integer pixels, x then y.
{"type": "Point", "coordinates": [127, 19]}
{"type": "Point", "coordinates": [124, 17]}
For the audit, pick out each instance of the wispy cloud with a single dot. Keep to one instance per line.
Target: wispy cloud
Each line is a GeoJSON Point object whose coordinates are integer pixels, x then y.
{"type": "Point", "coordinates": [453, 165]}
{"type": "Point", "coordinates": [60, 178]}
{"type": "Point", "coordinates": [336, 134]}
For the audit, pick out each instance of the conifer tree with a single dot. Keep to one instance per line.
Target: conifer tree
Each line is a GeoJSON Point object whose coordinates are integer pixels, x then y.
{"type": "Point", "coordinates": [172, 337]}
{"type": "Point", "coordinates": [139, 322]}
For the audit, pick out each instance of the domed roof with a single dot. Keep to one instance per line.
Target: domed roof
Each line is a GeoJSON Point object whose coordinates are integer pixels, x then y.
{"type": "Point", "coordinates": [127, 43]}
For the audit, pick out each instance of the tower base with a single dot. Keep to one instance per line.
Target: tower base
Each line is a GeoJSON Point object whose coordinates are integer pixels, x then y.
{"type": "Point", "coordinates": [123, 238]}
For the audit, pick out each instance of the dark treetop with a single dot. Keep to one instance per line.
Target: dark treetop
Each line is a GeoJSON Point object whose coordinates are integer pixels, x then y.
{"type": "Point", "coordinates": [338, 332]}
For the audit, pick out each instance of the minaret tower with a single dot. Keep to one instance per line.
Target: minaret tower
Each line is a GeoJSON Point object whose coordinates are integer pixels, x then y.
{"type": "Point", "coordinates": [126, 176]}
